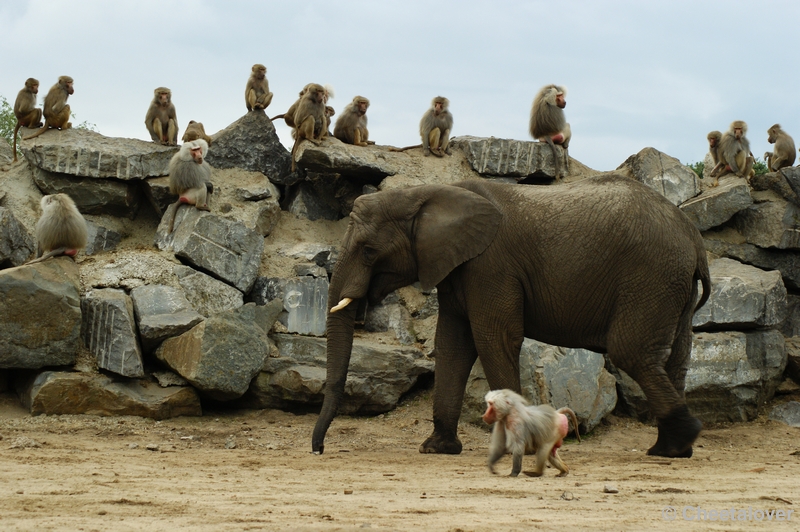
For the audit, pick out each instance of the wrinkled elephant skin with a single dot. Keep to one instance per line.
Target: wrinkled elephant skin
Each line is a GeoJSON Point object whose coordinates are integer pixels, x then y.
{"type": "Point", "coordinates": [605, 264]}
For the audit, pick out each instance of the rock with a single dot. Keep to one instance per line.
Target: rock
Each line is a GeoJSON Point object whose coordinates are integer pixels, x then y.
{"type": "Point", "coordinates": [269, 214]}
{"type": "Point", "coordinates": [131, 268]}
{"type": "Point", "coordinates": [61, 393]}
{"type": "Point", "coordinates": [162, 312]}
{"type": "Point", "coordinates": [323, 196]}
{"type": "Point", "coordinates": [251, 143]}
{"type": "Point", "coordinates": [510, 158]}
{"type": "Point", "coordinates": [207, 295]}
{"type": "Point", "coordinates": [665, 174]}
{"type": "Point", "coordinates": [771, 222]}
{"type": "Point", "coordinates": [793, 358]}
{"type": "Point", "coordinates": [556, 376]}
{"type": "Point", "coordinates": [100, 239]}
{"type": "Point", "coordinates": [378, 375]}
{"type": "Point", "coordinates": [109, 331]}
{"type": "Point", "coordinates": [742, 297]}
{"type": "Point", "coordinates": [225, 248]}
{"type": "Point", "coordinates": [732, 374]}
{"type": "Point", "coordinates": [93, 196]}
{"type": "Point", "coordinates": [787, 262]}
{"type": "Point", "coordinates": [717, 205]}
{"type": "Point", "coordinates": [335, 157]}
{"type": "Point", "coordinates": [391, 317]}
{"type": "Point", "coordinates": [788, 413]}
{"type": "Point", "coordinates": [776, 182]}
{"type": "Point", "coordinates": [84, 153]}
{"type": "Point", "coordinates": [791, 325]}
{"type": "Point", "coordinates": [40, 314]}
{"type": "Point", "coordinates": [306, 301]}
{"type": "Point", "coordinates": [792, 176]}
{"type": "Point", "coordinates": [167, 378]}
{"type": "Point", "coordinates": [221, 355]}
{"type": "Point", "coordinates": [17, 245]}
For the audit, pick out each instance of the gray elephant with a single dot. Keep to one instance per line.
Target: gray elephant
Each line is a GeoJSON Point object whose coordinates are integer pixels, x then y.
{"type": "Point", "coordinates": [604, 263]}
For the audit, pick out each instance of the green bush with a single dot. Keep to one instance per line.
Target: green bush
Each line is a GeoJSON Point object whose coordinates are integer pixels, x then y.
{"type": "Point", "coordinates": [698, 168]}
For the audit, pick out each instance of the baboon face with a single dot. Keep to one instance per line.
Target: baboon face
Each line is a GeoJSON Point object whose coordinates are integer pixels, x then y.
{"type": "Point", "coordinates": [362, 107]}
{"type": "Point", "coordinates": [561, 101]}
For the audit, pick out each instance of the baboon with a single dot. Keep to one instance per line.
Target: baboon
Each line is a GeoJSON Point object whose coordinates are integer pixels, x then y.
{"type": "Point", "coordinates": [194, 131]}
{"type": "Point", "coordinates": [783, 154]}
{"type": "Point", "coordinates": [519, 427]}
{"type": "Point", "coordinates": [548, 123]}
{"type": "Point", "coordinates": [256, 93]}
{"type": "Point", "coordinates": [56, 110]}
{"type": "Point", "coordinates": [288, 116]}
{"type": "Point", "coordinates": [734, 153]}
{"type": "Point", "coordinates": [351, 126]}
{"type": "Point", "coordinates": [329, 112]}
{"type": "Point", "coordinates": [61, 230]}
{"type": "Point", "coordinates": [161, 120]}
{"type": "Point", "coordinates": [189, 175]}
{"type": "Point", "coordinates": [435, 126]}
{"type": "Point", "coordinates": [309, 118]}
{"type": "Point", "coordinates": [25, 109]}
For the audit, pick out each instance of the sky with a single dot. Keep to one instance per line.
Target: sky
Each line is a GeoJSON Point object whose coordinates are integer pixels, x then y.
{"type": "Point", "coordinates": [638, 73]}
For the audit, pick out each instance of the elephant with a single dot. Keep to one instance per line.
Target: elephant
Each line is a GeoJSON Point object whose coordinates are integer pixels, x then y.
{"type": "Point", "coordinates": [604, 263]}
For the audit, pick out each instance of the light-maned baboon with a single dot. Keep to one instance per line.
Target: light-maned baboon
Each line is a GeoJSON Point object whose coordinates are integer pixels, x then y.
{"type": "Point", "coordinates": [25, 109]}
{"type": "Point", "coordinates": [189, 175]}
{"type": "Point", "coordinates": [520, 427]}
{"type": "Point", "coordinates": [783, 153]}
{"type": "Point", "coordinates": [56, 110]}
{"type": "Point", "coordinates": [309, 118]}
{"type": "Point", "coordinates": [734, 153]}
{"type": "Point", "coordinates": [61, 230]}
{"type": "Point", "coordinates": [351, 126]}
{"type": "Point", "coordinates": [161, 119]}
{"type": "Point", "coordinates": [256, 93]}
{"type": "Point", "coordinates": [194, 131]}
{"type": "Point", "coordinates": [548, 123]}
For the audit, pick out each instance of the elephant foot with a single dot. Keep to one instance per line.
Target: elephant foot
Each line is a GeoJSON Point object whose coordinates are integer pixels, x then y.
{"type": "Point", "coordinates": [437, 443]}
{"type": "Point", "coordinates": [676, 434]}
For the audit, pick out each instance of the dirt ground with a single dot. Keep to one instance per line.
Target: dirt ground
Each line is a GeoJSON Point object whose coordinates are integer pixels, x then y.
{"type": "Point", "coordinates": [253, 470]}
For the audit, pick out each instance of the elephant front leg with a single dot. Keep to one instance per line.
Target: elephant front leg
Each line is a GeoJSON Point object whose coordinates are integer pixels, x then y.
{"type": "Point", "coordinates": [455, 355]}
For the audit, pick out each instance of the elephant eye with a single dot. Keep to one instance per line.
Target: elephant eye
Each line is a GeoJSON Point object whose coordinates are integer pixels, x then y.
{"type": "Point", "coordinates": [370, 254]}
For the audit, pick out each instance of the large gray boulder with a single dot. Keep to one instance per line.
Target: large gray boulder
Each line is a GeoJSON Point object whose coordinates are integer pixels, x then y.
{"type": "Point", "coordinates": [162, 312]}
{"type": "Point", "coordinates": [552, 375]}
{"type": "Point", "coordinates": [40, 314]}
{"type": "Point", "coordinates": [16, 243]}
{"type": "Point", "coordinates": [378, 375]}
{"type": "Point", "coordinates": [221, 355]}
{"type": "Point", "coordinates": [667, 175]}
{"type": "Point", "coordinates": [786, 262]}
{"type": "Point", "coordinates": [515, 159]}
{"type": "Point", "coordinates": [742, 297]}
{"type": "Point", "coordinates": [109, 331]}
{"type": "Point", "coordinates": [93, 196]}
{"type": "Point", "coordinates": [207, 295]}
{"type": "Point", "coordinates": [771, 222]}
{"type": "Point", "coordinates": [717, 205]}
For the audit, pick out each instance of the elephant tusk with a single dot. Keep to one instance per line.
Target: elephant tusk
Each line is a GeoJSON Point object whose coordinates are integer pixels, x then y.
{"type": "Point", "coordinates": [343, 303]}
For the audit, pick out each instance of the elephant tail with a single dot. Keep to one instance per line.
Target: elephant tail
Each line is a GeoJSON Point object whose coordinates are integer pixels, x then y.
{"type": "Point", "coordinates": [702, 274]}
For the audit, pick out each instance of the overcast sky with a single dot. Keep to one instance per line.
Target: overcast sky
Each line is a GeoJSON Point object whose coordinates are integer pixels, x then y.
{"type": "Point", "coordinates": [638, 73]}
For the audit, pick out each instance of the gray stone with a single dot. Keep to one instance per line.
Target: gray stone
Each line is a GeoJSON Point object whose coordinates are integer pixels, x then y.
{"type": "Point", "coordinates": [792, 177]}
{"type": "Point", "coordinates": [788, 413]}
{"type": "Point", "coordinates": [40, 314]}
{"type": "Point", "coordinates": [85, 153]}
{"type": "Point", "coordinates": [785, 261]}
{"type": "Point", "coordinates": [93, 196]}
{"type": "Point", "coordinates": [665, 174]}
{"type": "Point", "coordinates": [733, 374]}
{"type": "Point", "coordinates": [378, 375]}
{"type": "Point", "coordinates": [516, 159]}
{"type": "Point", "coordinates": [742, 297]}
{"type": "Point", "coordinates": [310, 270]}
{"type": "Point", "coordinates": [717, 205]}
{"type": "Point", "coordinates": [770, 223]}
{"type": "Point", "coordinates": [251, 143]}
{"type": "Point", "coordinates": [100, 239]}
{"type": "Point", "coordinates": [166, 379]}
{"type": "Point", "coordinates": [269, 214]}
{"type": "Point", "coordinates": [156, 191]}
{"type": "Point", "coordinates": [392, 317]}
{"type": "Point", "coordinates": [335, 157]}
{"type": "Point", "coordinates": [631, 400]}
{"type": "Point", "coordinates": [17, 245]}
{"type": "Point", "coordinates": [207, 295]}
{"type": "Point", "coordinates": [777, 182]}
{"type": "Point", "coordinates": [257, 193]}
{"type": "Point", "coordinates": [225, 248]}
{"type": "Point", "coordinates": [306, 301]}
{"type": "Point", "coordinates": [266, 289]}
{"type": "Point", "coordinates": [791, 325]}
{"type": "Point", "coordinates": [305, 202]}
{"type": "Point", "coordinates": [109, 331]}
{"type": "Point", "coordinates": [221, 355]}
{"type": "Point", "coordinates": [6, 153]}
{"type": "Point", "coordinates": [556, 376]}
{"type": "Point", "coordinates": [63, 393]}
{"type": "Point", "coordinates": [793, 358]}
{"type": "Point", "coordinates": [162, 312]}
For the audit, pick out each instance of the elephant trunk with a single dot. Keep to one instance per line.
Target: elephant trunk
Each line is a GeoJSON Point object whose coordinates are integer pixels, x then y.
{"type": "Point", "coordinates": [340, 344]}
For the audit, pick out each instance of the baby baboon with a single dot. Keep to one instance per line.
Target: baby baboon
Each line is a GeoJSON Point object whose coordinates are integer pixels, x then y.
{"type": "Point", "coordinates": [194, 131]}
{"type": "Point", "coordinates": [309, 118]}
{"type": "Point", "coordinates": [25, 109]}
{"type": "Point", "coordinates": [161, 120]}
{"type": "Point", "coordinates": [56, 111]}
{"type": "Point", "coordinates": [351, 126]}
{"type": "Point", "coordinates": [519, 427]}
{"type": "Point", "coordinates": [256, 93]}
{"type": "Point", "coordinates": [783, 153]}
{"type": "Point", "coordinates": [61, 230]}
{"type": "Point", "coordinates": [548, 123]}
{"type": "Point", "coordinates": [734, 153]}
{"type": "Point", "coordinates": [189, 175]}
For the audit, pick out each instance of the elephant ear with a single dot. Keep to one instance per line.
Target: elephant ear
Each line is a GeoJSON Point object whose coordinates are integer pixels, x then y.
{"type": "Point", "coordinates": [452, 226]}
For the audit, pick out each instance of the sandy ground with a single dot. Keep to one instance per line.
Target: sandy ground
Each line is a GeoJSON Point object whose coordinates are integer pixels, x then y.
{"type": "Point", "coordinates": [252, 470]}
